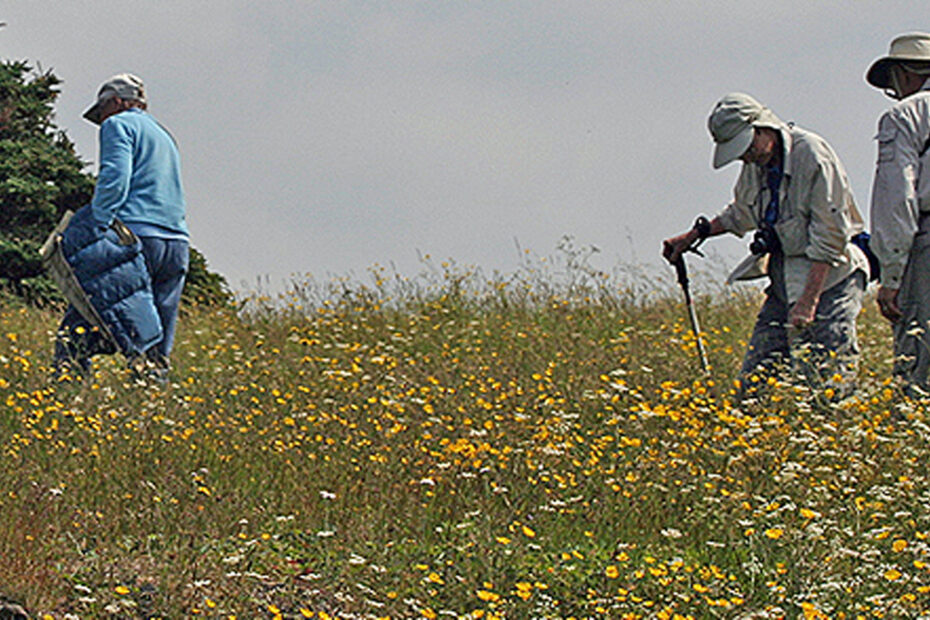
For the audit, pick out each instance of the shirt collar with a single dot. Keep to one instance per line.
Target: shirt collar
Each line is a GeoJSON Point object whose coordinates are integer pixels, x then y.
{"type": "Point", "coordinates": [786, 141]}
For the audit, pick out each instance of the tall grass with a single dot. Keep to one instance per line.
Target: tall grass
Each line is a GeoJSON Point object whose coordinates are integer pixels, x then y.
{"type": "Point", "coordinates": [533, 445]}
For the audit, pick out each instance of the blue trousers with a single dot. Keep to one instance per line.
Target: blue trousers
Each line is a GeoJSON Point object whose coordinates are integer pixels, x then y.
{"type": "Point", "coordinates": [167, 263]}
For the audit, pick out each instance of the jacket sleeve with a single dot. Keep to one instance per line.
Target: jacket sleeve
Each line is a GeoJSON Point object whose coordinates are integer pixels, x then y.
{"type": "Point", "coordinates": [895, 208]}
{"type": "Point", "coordinates": [830, 226]}
{"type": "Point", "coordinates": [112, 188]}
{"type": "Point", "coordinates": [738, 217]}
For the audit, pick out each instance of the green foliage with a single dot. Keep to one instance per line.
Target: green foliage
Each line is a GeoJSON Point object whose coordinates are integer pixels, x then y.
{"type": "Point", "coordinates": [41, 177]}
{"type": "Point", "coordinates": [204, 287]}
{"type": "Point", "coordinates": [40, 174]}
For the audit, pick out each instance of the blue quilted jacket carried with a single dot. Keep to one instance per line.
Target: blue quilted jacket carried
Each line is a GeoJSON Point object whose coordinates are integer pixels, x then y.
{"type": "Point", "coordinates": [111, 270]}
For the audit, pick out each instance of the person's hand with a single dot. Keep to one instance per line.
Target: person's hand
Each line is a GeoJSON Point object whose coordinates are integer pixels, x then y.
{"type": "Point", "coordinates": [802, 313]}
{"type": "Point", "coordinates": [888, 303]}
{"type": "Point", "coordinates": [673, 248]}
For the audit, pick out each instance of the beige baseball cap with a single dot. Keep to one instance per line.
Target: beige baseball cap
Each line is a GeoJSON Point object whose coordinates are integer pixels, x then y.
{"type": "Point", "coordinates": [125, 86]}
{"type": "Point", "coordinates": [913, 47]}
{"type": "Point", "coordinates": [731, 125]}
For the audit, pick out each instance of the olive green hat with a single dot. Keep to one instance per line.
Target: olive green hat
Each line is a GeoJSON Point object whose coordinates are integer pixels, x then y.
{"type": "Point", "coordinates": [731, 125]}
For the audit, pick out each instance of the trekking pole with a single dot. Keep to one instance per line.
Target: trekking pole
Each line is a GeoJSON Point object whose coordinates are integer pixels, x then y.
{"type": "Point", "coordinates": [701, 225]}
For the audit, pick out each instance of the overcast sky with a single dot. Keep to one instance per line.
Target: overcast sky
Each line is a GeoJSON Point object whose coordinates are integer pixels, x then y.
{"type": "Point", "coordinates": [325, 137]}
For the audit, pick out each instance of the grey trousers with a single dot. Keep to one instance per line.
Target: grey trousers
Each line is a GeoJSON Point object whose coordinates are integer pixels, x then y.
{"type": "Point", "coordinates": [911, 337]}
{"type": "Point", "coordinates": [826, 353]}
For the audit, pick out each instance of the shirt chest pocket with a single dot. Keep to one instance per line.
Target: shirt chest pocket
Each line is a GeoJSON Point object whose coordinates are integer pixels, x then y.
{"type": "Point", "coordinates": [886, 143]}
{"type": "Point", "coordinates": [792, 233]}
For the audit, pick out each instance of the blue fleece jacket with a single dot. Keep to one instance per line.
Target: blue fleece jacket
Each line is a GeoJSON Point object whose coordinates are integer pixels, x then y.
{"type": "Point", "coordinates": [140, 175]}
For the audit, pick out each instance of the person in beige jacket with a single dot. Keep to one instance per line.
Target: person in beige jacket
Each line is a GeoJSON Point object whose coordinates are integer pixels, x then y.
{"type": "Point", "coordinates": [901, 204]}
{"type": "Point", "coordinates": [794, 193]}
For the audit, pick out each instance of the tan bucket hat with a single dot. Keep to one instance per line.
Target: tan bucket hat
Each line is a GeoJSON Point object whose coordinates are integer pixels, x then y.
{"type": "Point", "coordinates": [914, 47]}
{"type": "Point", "coordinates": [125, 86]}
{"type": "Point", "coordinates": [731, 125]}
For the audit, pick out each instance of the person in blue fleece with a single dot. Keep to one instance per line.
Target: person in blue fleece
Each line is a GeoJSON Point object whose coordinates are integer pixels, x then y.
{"type": "Point", "coordinates": [139, 182]}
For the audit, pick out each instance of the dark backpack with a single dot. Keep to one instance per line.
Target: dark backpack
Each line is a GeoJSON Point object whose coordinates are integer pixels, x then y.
{"type": "Point", "coordinates": [862, 241]}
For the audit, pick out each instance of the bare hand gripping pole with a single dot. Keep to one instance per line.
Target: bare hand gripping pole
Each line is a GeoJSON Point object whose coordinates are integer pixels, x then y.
{"type": "Point", "coordinates": [702, 226]}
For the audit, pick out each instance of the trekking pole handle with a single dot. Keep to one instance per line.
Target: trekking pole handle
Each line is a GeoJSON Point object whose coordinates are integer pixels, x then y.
{"type": "Point", "coordinates": [702, 228]}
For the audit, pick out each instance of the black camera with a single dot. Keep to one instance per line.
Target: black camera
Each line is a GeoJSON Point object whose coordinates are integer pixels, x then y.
{"type": "Point", "coordinates": [764, 241]}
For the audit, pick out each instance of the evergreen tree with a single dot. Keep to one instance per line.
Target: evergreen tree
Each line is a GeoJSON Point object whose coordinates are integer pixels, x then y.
{"type": "Point", "coordinates": [41, 177]}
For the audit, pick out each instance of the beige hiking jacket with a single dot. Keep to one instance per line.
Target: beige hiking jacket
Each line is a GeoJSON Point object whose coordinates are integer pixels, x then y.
{"type": "Point", "coordinates": [901, 188]}
{"type": "Point", "coordinates": [817, 214]}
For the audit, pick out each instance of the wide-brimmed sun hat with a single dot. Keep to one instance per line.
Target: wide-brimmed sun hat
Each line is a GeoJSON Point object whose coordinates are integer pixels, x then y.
{"type": "Point", "coordinates": [125, 86]}
{"type": "Point", "coordinates": [731, 125]}
{"type": "Point", "coordinates": [914, 47]}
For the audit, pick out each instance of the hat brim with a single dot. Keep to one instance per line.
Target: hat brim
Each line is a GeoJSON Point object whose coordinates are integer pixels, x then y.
{"type": "Point", "coordinates": [93, 112]}
{"type": "Point", "coordinates": [733, 149]}
{"type": "Point", "coordinates": [879, 74]}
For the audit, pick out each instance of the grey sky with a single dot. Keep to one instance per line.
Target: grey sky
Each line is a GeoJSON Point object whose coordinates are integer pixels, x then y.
{"type": "Point", "coordinates": [325, 137]}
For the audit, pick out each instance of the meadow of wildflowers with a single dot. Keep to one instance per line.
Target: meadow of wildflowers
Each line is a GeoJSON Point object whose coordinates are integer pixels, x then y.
{"type": "Point", "coordinates": [463, 447]}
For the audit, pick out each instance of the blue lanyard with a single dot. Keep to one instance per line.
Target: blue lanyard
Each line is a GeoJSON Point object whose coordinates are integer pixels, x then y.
{"type": "Point", "coordinates": [773, 177]}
